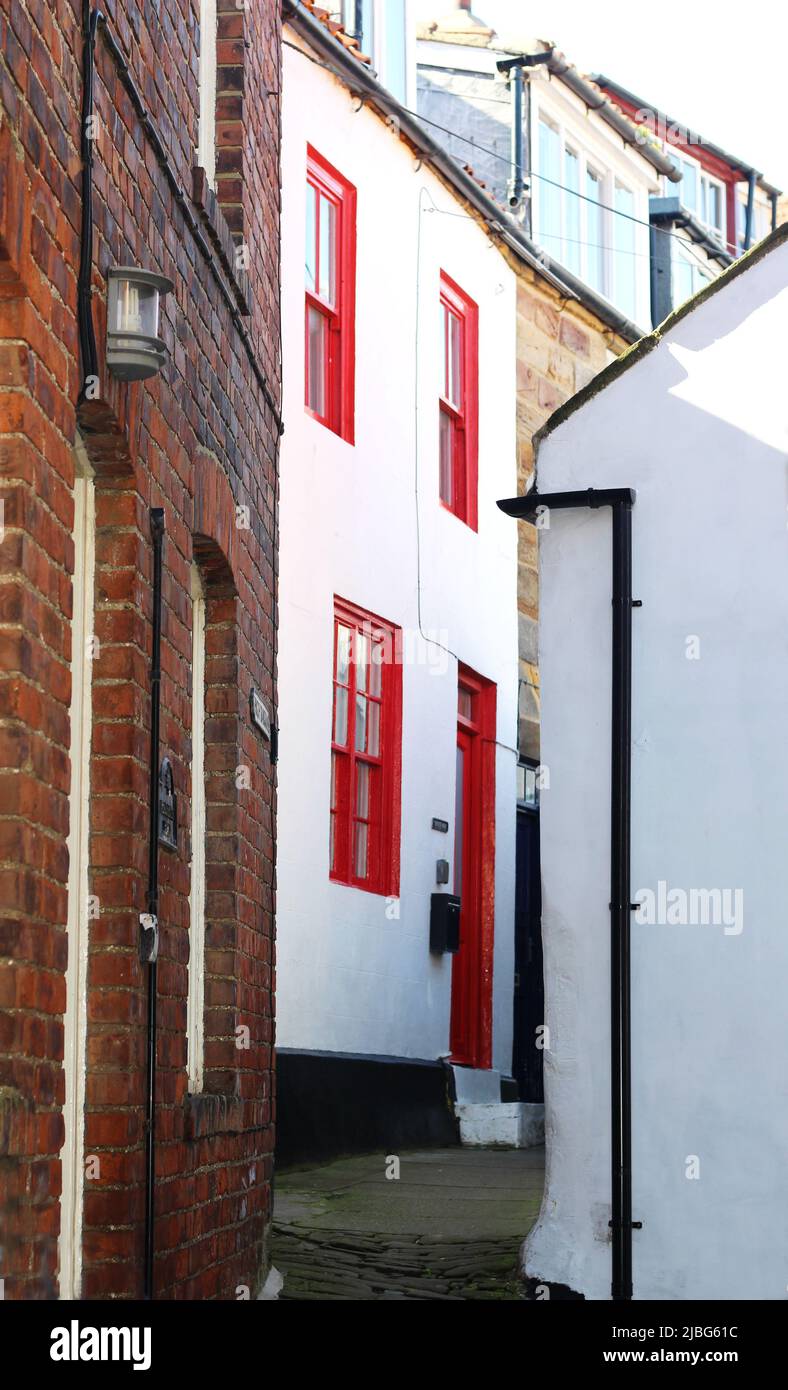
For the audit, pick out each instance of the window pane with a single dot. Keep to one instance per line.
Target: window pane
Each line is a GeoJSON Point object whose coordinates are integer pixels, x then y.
{"type": "Point", "coordinates": [340, 714]}
{"type": "Point", "coordinates": [317, 354]}
{"type": "Point", "coordinates": [362, 653]}
{"type": "Point", "coordinates": [360, 857]}
{"type": "Point", "coordinates": [548, 190]}
{"type": "Point", "coordinates": [362, 791]}
{"type": "Point", "coordinates": [682, 277]}
{"type": "Point", "coordinates": [446, 452]}
{"type": "Point", "coordinates": [311, 240]}
{"type": "Point", "coordinates": [343, 654]}
{"type": "Point", "coordinates": [625, 259]}
{"type": "Point", "coordinates": [689, 185]}
{"type": "Point", "coordinates": [454, 362]}
{"type": "Point", "coordinates": [376, 668]}
{"type": "Point", "coordinates": [373, 729]}
{"type": "Point", "coordinates": [361, 723]}
{"type": "Point", "coordinates": [327, 272]}
{"type": "Point", "coordinates": [594, 233]}
{"type": "Point", "coordinates": [571, 254]}
{"type": "Point", "coordinates": [465, 703]}
{"type": "Point", "coordinates": [715, 210]}
{"type": "Point", "coordinates": [395, 48]}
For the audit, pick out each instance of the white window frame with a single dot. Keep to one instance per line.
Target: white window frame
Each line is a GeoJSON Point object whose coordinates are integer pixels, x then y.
{"type": "Point", "coordinates": [586, 164]}
{"type": "Point", "coordinates": [374, 45]}
{"type": "Point", "coordinates": [195, 1003]}
{"type": "Point", "coordinates": [206, 135]}
{"type": "Point", "coordinates": [77, 928]}
{"type": "Point", "coordinates": [703, 176]}
{"type": "Point", "coordinates": [619, 183]}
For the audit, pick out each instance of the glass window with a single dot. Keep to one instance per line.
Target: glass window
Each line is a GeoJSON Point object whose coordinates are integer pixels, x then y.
{"type": "Point", "coordinates": [572, 211]}
{"type": "Point", "coordinates": [365, 754]}
{"type": "Point", "coordinates": [394, 62]}
{"type": "Point", "coordinates": [625, 274]}
{"type": "Point", "coordinates": [330, 296]}
{"type": "Point", "coordinates": [595, 273]}
{"type": "Point", "coordinates": [458, 403]}
{"type": "Point", "coordinates": [548, 199]}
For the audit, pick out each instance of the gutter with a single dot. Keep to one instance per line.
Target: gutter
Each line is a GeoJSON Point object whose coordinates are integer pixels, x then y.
{"type": "Point", "coordinates": [673, 211]}
{"type": "Point", "coordinates": [596, 101]}
{"type": "Point", "coordinates": [365, 86]}
{"type": "Point", "coordinates": [746, 169]}
{"type": "Point", "coordinates": [621, 501]}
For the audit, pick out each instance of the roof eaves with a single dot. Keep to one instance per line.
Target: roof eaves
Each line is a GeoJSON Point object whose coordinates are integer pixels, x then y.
{"type": "Point", "coordinates": [365, 86]}
{"type": "Point", "coordinates": [608, 84]}
{"type": "Point", "coordinates": [652, 340]}
{"type": "Point", "coordinates": [589, 91]}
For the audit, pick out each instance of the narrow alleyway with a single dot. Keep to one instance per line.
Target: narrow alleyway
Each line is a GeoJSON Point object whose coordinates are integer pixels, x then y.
{"type": "Point", "coordinates": [450, 1226]}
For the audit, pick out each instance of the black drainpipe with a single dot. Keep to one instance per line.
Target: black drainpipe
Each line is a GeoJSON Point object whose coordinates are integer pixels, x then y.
{"type": "Point", "coordinates": [149, 920]}
{"type": "Point", "coordinates": [516, 181]}
{"type": "Point", "coordinates": [621, 501]}
{"type": "Point", "coordinates": [751, 179]}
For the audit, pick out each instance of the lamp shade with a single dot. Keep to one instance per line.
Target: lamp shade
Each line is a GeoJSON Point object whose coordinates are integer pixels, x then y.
{"type": "Point", "coordinates": [134, 348]}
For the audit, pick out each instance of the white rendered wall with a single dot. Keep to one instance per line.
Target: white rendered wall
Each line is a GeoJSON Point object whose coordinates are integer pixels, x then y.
{"type": "Point", "coordinates": [349, 977]}
{"type": "Point", "coordinates": [699, 428]}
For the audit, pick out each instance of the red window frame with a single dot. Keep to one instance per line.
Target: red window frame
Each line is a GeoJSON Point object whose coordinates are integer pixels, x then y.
{"type": "Point", "coordinates": [459, 405]}
{"type": "Point", "coordinates": [331, 304]}
{"type": "Point", "coordinates": [366, 770]}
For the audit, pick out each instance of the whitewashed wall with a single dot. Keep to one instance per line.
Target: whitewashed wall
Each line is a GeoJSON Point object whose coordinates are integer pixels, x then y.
{"type": "Point", "coordinates": [348, 978]}
{"type": "Point", "coordinates": [700, 428]}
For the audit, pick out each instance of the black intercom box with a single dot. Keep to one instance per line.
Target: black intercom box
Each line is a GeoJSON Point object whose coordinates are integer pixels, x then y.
{"type": "Point", "coordinates": [444, 923]}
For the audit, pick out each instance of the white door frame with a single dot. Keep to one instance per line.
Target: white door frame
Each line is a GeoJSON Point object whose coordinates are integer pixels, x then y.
{"type": "Point", "coordinates": [75, 1019]}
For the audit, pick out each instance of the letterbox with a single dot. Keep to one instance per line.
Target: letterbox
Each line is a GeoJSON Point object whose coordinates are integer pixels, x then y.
{"type": "Point", "coordinates": [444, 923]}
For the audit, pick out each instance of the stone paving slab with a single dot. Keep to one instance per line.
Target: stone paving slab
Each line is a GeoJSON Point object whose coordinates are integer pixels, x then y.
{"type": "Point", "coordinates": [448, 1229]}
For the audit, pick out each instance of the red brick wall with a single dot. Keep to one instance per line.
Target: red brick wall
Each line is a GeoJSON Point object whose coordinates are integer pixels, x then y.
{"type": "Point", "coordinates": [199, 440]}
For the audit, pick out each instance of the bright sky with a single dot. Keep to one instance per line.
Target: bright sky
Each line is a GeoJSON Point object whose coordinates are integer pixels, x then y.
{"type": "Point", "coordinates": [721, 68]}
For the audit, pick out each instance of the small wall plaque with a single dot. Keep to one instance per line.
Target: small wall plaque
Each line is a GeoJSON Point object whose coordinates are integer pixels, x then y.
{"type": "Point", "coordinates": [168, 807]}
{"type": "Point", "coordinates": [259, 714]}
{"type": "Point", "coordinates": [441, 825]}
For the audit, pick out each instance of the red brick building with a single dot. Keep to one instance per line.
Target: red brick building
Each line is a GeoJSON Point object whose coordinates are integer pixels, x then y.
{"type": "Point", "coordinates": [100, 124]}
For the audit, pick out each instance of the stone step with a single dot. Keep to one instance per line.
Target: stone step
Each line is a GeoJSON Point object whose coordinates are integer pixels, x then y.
{"type": "Point", "coordinates": [510, 1125]}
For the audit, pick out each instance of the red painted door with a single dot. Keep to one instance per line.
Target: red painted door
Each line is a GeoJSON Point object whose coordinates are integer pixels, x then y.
{"type": "Point", "coordinates": [474, 852]}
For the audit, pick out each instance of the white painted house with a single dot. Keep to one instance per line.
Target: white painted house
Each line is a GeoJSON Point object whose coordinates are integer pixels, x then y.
{"type": "Point", "coordinates": [695, 420]}
{"type": "Point", "coordinates": [398, 618]}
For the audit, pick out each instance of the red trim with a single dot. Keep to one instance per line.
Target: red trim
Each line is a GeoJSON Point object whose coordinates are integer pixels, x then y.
{"type": "Point", "coordinates": [340, 315]}
{"type": "Point", "coordinates": [472, 966]}
{"type": "Point", "coordinates": [463, 414]}
{"type": "Point", "coordinates": [384, 768]}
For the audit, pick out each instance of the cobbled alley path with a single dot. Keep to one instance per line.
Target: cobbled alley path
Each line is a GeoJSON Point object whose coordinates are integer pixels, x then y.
{"type": "Point", "coordinates": [450, 1227]}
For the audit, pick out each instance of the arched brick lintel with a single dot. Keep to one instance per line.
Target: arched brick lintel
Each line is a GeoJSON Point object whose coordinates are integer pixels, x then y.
{"type": "Point", "coordinates": [214, 526]}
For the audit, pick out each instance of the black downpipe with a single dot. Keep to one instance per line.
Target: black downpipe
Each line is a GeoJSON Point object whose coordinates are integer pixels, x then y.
{"type": "Point", "coordinates": [516, 182]}
{"type": "Point", "coordinates": [87, 336]}
{"type": "Point", "coordinates": [621, 501]}
{"type": "Point", "coordinates": [149, 922]}
{"type": "Point", "coordinates": [748, 225]}
{"type": "Point", "coordinates": [620, 904]}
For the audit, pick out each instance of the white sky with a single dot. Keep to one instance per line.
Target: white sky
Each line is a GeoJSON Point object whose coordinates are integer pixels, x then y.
{"type": "Point", "coordinates": [721, 68]}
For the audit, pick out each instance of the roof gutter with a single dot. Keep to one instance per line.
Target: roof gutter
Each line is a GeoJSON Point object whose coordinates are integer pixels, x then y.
{"type": "Point", "coordinates": [672, 211]}
{"type": "Point", "coordinates": [596, 101]}
{"type": "Point", "coordinates": [366, 87]}
{"type": "Point", "coordinates": [746, 169]}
